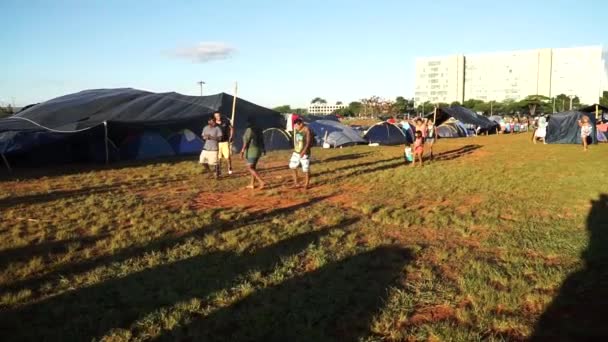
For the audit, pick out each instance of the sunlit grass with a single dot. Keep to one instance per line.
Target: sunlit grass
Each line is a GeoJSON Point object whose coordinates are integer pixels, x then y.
{"type": "Point", "coordinates": [480, 242]}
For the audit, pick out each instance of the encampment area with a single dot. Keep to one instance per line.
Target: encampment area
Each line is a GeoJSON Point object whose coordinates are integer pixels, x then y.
{"type": "Point", "coordinates": [494, 239]}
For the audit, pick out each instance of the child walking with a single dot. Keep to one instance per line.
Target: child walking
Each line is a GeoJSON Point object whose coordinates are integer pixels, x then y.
{"type": "Point", "coordinates": [586, 131]}
{"type": "Point", "coordinates": [418, 148]}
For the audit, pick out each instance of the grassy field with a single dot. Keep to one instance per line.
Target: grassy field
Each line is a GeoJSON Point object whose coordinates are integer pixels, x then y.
{"type": "Point", "coordinates": [497, 239]}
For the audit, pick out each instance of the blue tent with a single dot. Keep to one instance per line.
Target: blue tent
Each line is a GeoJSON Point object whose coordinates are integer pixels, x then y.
{"type": "Point", "coordinates": [563, 128]}
{"type": "Point", "coordinates": [384, 133]}
{"type": "Point", "coordinates": [335, 133]}
{"type": "Point", "coordinates": [147, 145]}
{"type": "Point", "coordinates": [185, 142]}
{"type": "Point", "coordinates": [277, 139]}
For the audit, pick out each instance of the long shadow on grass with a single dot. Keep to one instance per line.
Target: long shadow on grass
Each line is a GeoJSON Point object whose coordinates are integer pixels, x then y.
{"type": "Point", "coordinates": [88, 313]}
{"type": "Point", "coordinates": [218, 225]}
{"type": "Point", "coordinates": [457, 153]}
{"type": "Point", "coordinates": [46, 249]}
{"type": "Point", "coordinates": [25, 173]}
{"type": "Point", "coordinates": [63, 194]}
{"type": "Point", "coordinates": [580, 310]}
{"type": "Point", "coordinates": [334, 303]}
{"type": "Point", "coordinates": [342, 157]}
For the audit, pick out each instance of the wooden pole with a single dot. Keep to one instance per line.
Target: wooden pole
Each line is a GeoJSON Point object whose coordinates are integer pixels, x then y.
{"type": "Point", "coordinates": [435, 116]}
{"type": "Point", "coordinates": [8, 166]}
{"type": "Point", "coordinates": [597, 112]}
{"type": "Point", "coordinates": [105, 140]}
{"type": "Point", "coordinates": [236, 88]}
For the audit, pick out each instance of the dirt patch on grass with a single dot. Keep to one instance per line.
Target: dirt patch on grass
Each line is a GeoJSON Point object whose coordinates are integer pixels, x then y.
{"type": "Point", "coordinates": [432, 314]}
{"type": "Point", "coordinates": [249, 200]}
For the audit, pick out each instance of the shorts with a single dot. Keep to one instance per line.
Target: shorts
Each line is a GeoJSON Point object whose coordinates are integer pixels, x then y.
{"type": "Point", "coordinates": [296, 160]}
{"type": "Point", "coordinates": [224, 150]}
{"type": "Point", "coordinates": [253, 161]}
{"type": "Point", "coordinates": [208, 157]}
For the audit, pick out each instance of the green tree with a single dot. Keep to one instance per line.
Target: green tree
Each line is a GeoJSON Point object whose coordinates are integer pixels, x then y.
{"type": "Point", "coordinates": [604, 99]}
{"type": "Point", "coordinates": [6, 111]}
{"type": "Point", "coordinates": [355, 107]}
{"type": "Point", "coordinates": [300, 111]}
{"type": "Point", "coordinates": [455, 103]}
{"type": "Point", "coordinates": [318, 100]}
{"type": "Point", "coordinates": [403, 105]}
{"type": "Point", "coordinates": [344, 112]}
{"type": "Point", "coordinates": [283, 109]}
{"type": "Point", "coordinates": [535, 102]}
{"type": "Point", "coordinates": [338, 103]}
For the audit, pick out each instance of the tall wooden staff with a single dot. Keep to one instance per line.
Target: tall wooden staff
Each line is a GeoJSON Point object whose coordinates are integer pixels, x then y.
{"type": "Point", "coordinates": [236, 88]}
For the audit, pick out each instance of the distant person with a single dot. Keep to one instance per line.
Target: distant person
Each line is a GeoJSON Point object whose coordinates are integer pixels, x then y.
{"type": "Point", "coordinates": [253, 148]}
{"type": "Point", "coordinates": [430, 136]}
{"type": "Point", "coordinates": [208, 158]}
{"type": "Point", "coordinates": [302, 143]}
{"type": "Point", "coordinates": [418, 148]}
{"type": "Point", "coordinates": [541, 131]}
{"type": "Point", "coordinates": [586, 131]}
{"type": "Point", "coordinates": [224, 147]}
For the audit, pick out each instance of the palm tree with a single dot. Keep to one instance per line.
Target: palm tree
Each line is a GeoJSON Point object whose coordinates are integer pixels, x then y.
{"type": "Point", "coordinates": [318, 100]}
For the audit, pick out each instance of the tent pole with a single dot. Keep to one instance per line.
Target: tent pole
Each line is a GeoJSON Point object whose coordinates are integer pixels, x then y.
{"type": "Point", "coordinates": [236, 88]}
{"type": "Point", "coordinates": [8, 166]}
{"type": "Point", "coordinates": [597, 112]}
{"type": "Point", "coordinates": [105, 140]}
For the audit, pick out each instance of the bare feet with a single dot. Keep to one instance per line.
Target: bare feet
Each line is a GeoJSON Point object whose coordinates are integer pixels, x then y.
{"type": "Point", "coordinates": [262, 186]}
{"type": "Point", "coordinates": [249, 187]}
{"type": "Point", "coordinates": [295, 186]}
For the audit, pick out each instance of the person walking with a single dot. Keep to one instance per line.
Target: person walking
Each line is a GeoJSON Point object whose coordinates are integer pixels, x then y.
{"type": "Point", "coordinates": [209, 156]}
{"type": "Point", "coordinates": [224, 146]}
{"type": "Point", "coordinates": [302, 142]}
{"type": "Point", "coordinates": [253, 148]}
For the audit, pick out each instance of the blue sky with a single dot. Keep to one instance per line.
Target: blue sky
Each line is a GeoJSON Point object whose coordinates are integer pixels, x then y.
{"type": "Point", "coordinates": [280, 52]}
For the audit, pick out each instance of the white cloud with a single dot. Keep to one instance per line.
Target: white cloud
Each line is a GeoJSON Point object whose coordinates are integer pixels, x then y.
{"type": "Point", "coordinates": [205, 52]}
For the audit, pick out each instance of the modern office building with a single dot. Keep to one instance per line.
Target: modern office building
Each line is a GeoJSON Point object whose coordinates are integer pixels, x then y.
{"type": "Point", "coordinates": [323, 108]}
{"type": "Point", "coordinates": [513, 75]}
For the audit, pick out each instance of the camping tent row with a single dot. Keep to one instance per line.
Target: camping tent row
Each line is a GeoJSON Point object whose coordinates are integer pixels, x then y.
{"type": "Point", "coordinates": [125, 123]}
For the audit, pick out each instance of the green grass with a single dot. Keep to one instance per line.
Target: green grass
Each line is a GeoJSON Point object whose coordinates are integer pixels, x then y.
{"type": "Point", "coordinates": [480, 244]}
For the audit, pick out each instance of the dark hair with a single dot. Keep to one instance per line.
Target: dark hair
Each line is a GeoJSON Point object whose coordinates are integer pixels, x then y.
{"type": "Point", "coordinates": [211, 119]}
{"type": "Point", "coordinates": [297, 121]}
{"type": "Point", "coordinates": [217, 113]}
{"type": "Point", "coordinates": [418, 132]}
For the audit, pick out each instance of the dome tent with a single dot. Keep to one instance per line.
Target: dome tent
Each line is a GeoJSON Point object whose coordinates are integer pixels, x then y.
{"type": "Point", "coordinates": [120, 113]}
{"type": "Point", "coordinates": [384, 133]}
{"type": "Point", "coordinates": [277, 139]}
{"type": "Point", "coordinates": [335, 134]}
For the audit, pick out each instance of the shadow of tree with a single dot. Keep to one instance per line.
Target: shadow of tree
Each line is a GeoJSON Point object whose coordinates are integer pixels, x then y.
{"type": "Point", "coordinates": [580, 310]}
{"type": "Point", "coordinates": [87, 313]}
{"type": "Point", "coordinates": [336, 302]}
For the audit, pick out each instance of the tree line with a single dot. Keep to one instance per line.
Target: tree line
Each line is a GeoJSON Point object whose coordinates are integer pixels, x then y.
{"type": "Point", "coordinates": [375, 105]}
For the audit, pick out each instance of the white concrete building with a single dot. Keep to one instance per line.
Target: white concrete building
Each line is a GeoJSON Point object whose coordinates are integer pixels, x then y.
{"type": "Point", "coordinates": [323, 108]}
{"type": "Point", "coordinates": [513, 75]}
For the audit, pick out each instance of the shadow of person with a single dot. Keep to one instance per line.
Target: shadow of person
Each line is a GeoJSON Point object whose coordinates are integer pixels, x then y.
{"type": "Point", "coordinates": [580, 310]}
{"type": "Point", "coordinates": [88, 313]}
{"type": "Point", "coordinates": [336, 302]}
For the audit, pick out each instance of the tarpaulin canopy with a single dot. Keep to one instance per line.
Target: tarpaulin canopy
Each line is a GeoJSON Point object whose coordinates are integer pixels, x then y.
{"type": "Point", "coordinates": [592, 108]}
{"type": "Point", "coordinates": [463, 115]}
{"type": "Point", "coordinates": [116, 114]}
